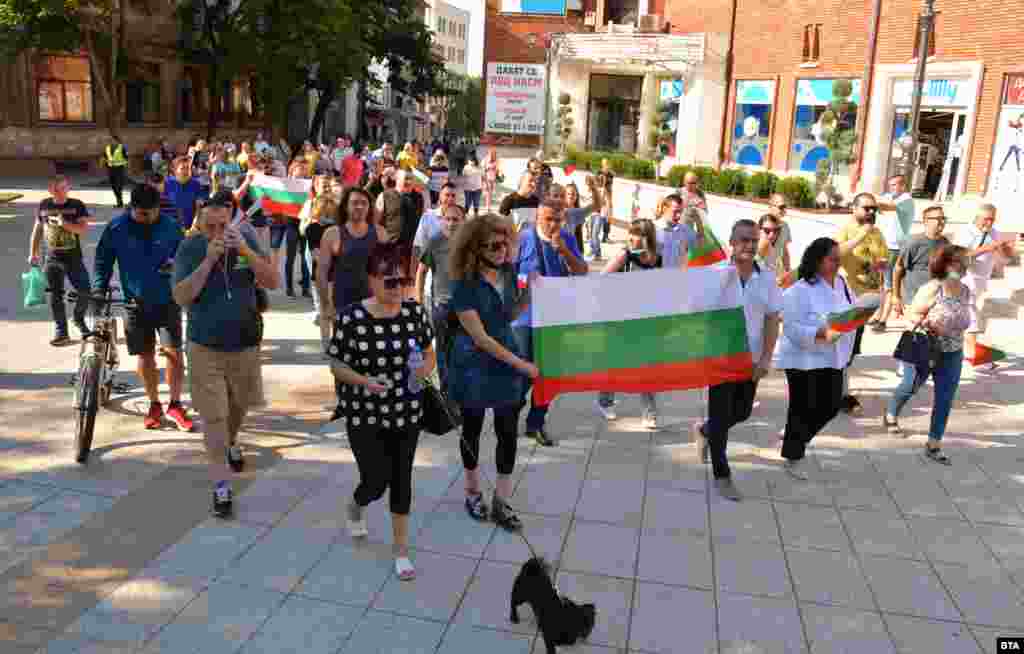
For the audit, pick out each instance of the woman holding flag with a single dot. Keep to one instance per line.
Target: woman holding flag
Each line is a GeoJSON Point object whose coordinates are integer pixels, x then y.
{"type": "Point", "coordinates": [814, 349]}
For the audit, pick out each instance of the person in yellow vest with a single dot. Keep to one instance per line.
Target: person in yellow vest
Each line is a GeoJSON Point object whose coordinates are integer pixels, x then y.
{"type": "Point", "coordinates": [116, 160]}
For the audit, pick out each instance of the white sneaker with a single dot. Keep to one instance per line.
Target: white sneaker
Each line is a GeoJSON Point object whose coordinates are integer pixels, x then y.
{"type": "Point", "coordinates": [651, 421]}
{"type": "Point", "coordinates": [315, 317]}
{"type": "Point", "coordinates": [796, 470]}
{"type": "Point", "coordinates": [607, 411]}
{"type": "Point", "coordinates": [357, 521]}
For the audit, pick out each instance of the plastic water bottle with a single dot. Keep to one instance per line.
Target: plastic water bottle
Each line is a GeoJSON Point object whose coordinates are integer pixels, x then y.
{"type": "Point", "coordinates": [415, 362]}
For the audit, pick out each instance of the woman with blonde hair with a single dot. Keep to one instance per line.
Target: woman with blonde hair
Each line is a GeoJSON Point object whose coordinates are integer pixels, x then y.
{"type": "Point", "coordinates": [485, 370]}
{"type": "Point", "coordinates": [492, 171]}
{"type": "Point", "coordinates": [640, 253]}
{"type": "Point", "coordinates": [314, 222]}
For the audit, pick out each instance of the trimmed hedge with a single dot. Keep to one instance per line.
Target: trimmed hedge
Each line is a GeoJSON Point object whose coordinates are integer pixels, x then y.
{"type": "Point", "coordinates": [798, 191]}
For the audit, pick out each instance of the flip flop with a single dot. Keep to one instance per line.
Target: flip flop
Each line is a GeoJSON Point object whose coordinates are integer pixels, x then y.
{"type": "Point", "coordinates": [404, 569]}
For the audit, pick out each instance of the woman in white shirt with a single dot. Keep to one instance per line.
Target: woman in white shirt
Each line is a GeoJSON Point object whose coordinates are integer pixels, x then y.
{"type": "Point", "coordinates": [812, 354]}
{"type": "Point", "coordinates": [472, 184]}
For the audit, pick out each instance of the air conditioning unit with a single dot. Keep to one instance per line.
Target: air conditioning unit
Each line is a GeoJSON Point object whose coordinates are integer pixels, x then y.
{"type": "Point", "coordinates": [590, 19]}
{"type": "Point", "coordinates": [651, 23]}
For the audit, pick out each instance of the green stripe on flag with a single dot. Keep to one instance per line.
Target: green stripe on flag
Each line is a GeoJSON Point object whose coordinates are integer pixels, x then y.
{"type": "Point", "coordinates": [283, 197]}
{"type": "Point", "coordinates": [566, 350]}
{"type": "Point", "coordinates": [710, 250]}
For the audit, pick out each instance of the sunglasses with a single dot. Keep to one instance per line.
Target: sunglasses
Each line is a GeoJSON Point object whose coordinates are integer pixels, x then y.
{"type": "Point", "coordinates": [391, 283]}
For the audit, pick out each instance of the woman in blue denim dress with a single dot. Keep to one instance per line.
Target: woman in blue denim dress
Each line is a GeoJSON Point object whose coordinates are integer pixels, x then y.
{"type": "Point", "coordinates": [485, 369]}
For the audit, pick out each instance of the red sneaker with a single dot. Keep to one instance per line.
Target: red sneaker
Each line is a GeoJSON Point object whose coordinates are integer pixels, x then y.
{"type": "Point", "coordinates": [177, 414]}
{"type": "Point", "coordinates": [155, 416]}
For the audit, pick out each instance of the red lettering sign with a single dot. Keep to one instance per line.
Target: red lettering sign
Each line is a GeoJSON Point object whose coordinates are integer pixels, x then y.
{"type": "Point", "coordinates": [1014, 89]}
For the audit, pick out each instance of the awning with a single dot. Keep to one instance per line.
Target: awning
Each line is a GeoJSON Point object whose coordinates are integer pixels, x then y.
{"type": "Point", "coordinates": [668, 52]}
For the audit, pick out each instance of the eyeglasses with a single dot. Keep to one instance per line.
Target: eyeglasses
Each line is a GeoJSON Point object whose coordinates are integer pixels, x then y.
{"type": "Point", "coordinates": [769, 230]}
{"type": "Point", "coordinates": [940, 219]}
{"type": "Point", "coordinates": [391, 283]}
{"type": "Point", "coordinates": [497, 246]}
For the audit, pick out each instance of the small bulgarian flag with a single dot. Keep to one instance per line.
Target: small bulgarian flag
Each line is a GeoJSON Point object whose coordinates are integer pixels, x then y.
{"type": "Point", "coordinates": [853, 318]}
{"type": "Point", "coordinates": [710, 251]}
{"type": "Point", "coordinates": [625, 333]}
{"type": "Point", "coordinates": [283, 196]}
{"type": "Point", "coordinates": [570, 169]}
{"type": "Point", "coordinates": [984, 354]}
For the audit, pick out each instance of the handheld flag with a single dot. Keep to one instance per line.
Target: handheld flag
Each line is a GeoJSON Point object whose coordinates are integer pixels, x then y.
{"type": "Point", "coordinates": [282, 196]}
{"type": "Point", "coordinates": [983, 354]}
{"type": "Point", "coordinates": [856, 316]}
{"type": "Point", "coordinates": [570, 169]}
{"type": "Point", "coordinates": [710, 250]}
{"type": "Point", "coordinates": [645, 340]}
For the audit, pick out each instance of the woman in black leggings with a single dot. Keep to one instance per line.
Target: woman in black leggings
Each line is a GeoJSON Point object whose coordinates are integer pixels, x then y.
{"type": "Point", "coordinates": [484, 370]}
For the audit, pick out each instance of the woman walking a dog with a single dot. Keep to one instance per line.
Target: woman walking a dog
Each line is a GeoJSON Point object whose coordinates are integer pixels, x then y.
{"type": "Point", "coordinates": [484, 369]}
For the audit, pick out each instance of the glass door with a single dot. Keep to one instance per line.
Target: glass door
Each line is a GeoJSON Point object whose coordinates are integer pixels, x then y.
{"type": "Point", "coordinates": [955, 153]}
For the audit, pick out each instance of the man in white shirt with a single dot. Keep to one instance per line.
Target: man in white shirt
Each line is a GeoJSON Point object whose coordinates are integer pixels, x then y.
{"type": "Point", "coordinates": [896, 229]}
{"type": "Point", "coordinates": [676, 237]}
{"type": "Point", "coordinates": [983, 243]}
{"type": "Point", "coordinates": [730, 403]}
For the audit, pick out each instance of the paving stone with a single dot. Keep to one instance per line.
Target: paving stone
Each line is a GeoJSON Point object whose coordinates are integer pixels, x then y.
{"type": "Point", "coordinates": [985, 596]}
{"type": "Point", "coordinates": [615, 501]}
{"type": "Point", "coordinates": [209, 549]}
{"type": "Point", "coordinates": [601, 549]}
{"type": "Point", "coordinates": [881, 534]}
{"type": "Point", "coordinates": [759, 624]}
{"type": "Point", "coordinates": [910, 587]}
{"type": "Point", "coordinates": [925, 498]}
{"type": "Point", "coordinates": [612, 598]}
{"type": "Point", "coordinates": [546, 534]}
{"type": "Point", "coordinates": [656, 613]}
{"type": "Point", "coordinates": [833, 630]}
{"type": "Point", "coordinates": [460, 639]}
{"type": "Point", "coordinates": [679, 560]}
{"type": "Point", "coordinates": [279, 561]}
{"type": "Point", "coordinates": [450, 530]}
{"type": "Point", "coordinates": [676, 512]}
{"type": "Point", "coordinates": [748, 521]}
{"type": "Point", "coordinates": [305, 626]}
{"type": "Point", "coordinates": [488, 600]}
{"type": "Point", "coordinates": [950, 541]}
{"type": "Point", "coordinates": [17, 496]}
{"type": "Point", "coordinates": [349, 575]}
{"type": "Point", "coordinates": [388, 633]}
{"type": "Point", "coordinates": [752, 568]}
{"type": "Point", "coordinates": [829, 578]}
{"type": "Point", "coordinates": [440, 583]}
{"type": "Point", "coordinates": [920, 636]}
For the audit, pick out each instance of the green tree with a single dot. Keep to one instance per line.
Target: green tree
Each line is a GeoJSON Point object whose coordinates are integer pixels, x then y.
{"type": "Point", "coordinates": [839, 132]}
{"type": "Point", "coordinates": [95, 27]}
{"type": "Point", "coordinates": [465, 107]}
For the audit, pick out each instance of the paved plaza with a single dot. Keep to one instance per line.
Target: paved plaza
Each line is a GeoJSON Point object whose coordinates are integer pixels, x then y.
{"type": "Point", "coordinates": [879, 552]}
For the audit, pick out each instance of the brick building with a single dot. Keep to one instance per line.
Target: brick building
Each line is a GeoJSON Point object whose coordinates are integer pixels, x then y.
{"type": "Point", "coordinates": [50, 116]}
{"type": "Point", "coordinates": [782, 59]}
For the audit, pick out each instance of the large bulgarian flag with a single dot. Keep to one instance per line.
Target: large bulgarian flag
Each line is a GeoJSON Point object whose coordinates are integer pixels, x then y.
{"type": "Point", "coordinates": [649, 331]}
{"type": "Point", "coordinates": [984, 354]}
{"type": "Point", "coordinates": [856, 316]}
{"type": "Point", "coordinates": [710, 250]}
{"type": "Point", "coordinates": [283, 196]}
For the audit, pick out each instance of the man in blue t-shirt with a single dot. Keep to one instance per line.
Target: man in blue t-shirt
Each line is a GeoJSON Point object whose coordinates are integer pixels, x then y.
{"type": "Point", "coordinates": [142, 243]}
{"type": "Point", "coordinates": [184, 192]}
{"type": "Point", "coordinates": [548, 249]}
{"type": "Point", "coordinates": [216, 274]}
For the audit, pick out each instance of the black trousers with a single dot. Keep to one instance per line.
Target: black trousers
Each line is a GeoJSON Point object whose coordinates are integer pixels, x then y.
{"type": "Point", "coordinates": [814, 399]}
{"type": "Point", "coordinates": [729, 404]}
{"type": "Point", "coordinates": [116, 175]}
{"type": "Point", "coordinates": [58, 266]}
{"type": "Point", "coordinates": [295, 244]}
{"type": "Point", "coordinates": [384, 458]}
{"type": "Point", "coordinates": [506, 425]}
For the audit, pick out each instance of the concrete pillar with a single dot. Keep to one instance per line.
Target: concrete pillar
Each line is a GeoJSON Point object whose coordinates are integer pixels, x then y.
{"type": "Point", "coordinates": [649, 100]}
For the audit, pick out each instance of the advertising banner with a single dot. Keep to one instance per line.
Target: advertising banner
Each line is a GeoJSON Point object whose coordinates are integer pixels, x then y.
{"type": "Point", "coordinates": [515, 99]}
{"type": "Point", "coordinates": [1006, 181]}
{"type": "Point", "coordinates": [533, 7]}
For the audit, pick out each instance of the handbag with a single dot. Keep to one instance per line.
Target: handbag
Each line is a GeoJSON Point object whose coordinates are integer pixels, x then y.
{"type": "Point", "coordinates": [440, 414]}
{"type": "Point", "coordinates": [917, 347]}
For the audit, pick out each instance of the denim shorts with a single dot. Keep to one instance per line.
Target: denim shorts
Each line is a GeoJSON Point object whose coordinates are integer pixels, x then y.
{"type": "Point", "coordinates": [894, 256]}
{"type": "Point", "coordinates": [277, 234]}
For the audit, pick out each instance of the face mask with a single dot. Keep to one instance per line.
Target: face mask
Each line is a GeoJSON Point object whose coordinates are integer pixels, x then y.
{"type": "Point", "coordinates": [954, 275]}
{"type": "Point", "coordinates": [638, 251]}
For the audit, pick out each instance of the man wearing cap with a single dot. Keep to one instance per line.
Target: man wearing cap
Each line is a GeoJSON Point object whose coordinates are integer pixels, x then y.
{"type": "Point", "coordinates": [142, 242]}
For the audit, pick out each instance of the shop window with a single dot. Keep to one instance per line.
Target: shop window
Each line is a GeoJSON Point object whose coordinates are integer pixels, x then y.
{"type": "Point", "coordinates": [917, 41]}
{"type": "Point", "coordinates": [812, 43]}
{"type": "Point", "coordinates": [819, 112]}
{"type": "Point", "coordinates": [622, 12]}
{"type": "Point", "coordinates": [64, 89]}
{"type": "Point", "coordinates": [142, 93]}
{"type": "Point", "coordinates": [614, 112]}
{"type": "Point", "coordinates": [193, 96]}
{"type": "Point", "coordinates": [753, 120]}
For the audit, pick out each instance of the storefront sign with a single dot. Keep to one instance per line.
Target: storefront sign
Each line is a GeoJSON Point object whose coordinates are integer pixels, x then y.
{"type": "Point", "coordinates": [937, 93]}
{"type": "Point", "coordinates": [755, 92]}
{"type": "Point", "coordinates": [533, 7]}
{"type": "Point", "coordinates": [818, 92]}
{"type": "Point", "coordinates": [515, 99]}
{"type": "Point", "coordinates": [671, 90]}
{"type": "Point", "coordinates": [1006, 179]}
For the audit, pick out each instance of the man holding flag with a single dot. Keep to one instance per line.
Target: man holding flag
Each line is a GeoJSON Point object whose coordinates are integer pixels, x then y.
{"type": "Point", "coordinates": [730, 403]}
{"type": "Point", "coordinates": [676, 238]}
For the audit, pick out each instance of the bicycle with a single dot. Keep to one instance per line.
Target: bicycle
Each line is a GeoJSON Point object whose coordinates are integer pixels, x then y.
{"type": "Point", "coordinates": [97, 366]}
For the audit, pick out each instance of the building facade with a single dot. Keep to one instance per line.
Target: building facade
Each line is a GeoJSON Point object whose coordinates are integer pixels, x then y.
{"type": "Point", "coordinates": [782, 62]}
{"type": "Point", "coordinates": [451, 44]}
{"type": "Point", "coordinates": [51, 117]}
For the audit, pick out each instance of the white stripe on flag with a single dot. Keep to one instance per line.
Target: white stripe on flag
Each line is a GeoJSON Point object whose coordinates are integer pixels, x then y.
{"type": "Point", "coordinates": [289, 184]}
{"type": "Point", "coordinates": [642, 294]}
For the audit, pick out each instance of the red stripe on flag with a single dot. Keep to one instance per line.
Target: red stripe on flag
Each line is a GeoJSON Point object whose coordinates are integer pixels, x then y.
{"type": "Point", "coordinates": [698, 373]}
{"type": "Point", "coordinates": [280, 208]}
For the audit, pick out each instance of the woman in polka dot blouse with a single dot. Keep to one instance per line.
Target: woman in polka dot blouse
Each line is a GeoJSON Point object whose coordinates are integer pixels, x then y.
{"type": "Point", "coordinates": [370, 351]}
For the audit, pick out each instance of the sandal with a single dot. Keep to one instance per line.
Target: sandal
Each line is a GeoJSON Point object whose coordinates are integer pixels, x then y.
{"type": "Point", "coordinates": [476, 508]}
{"type": "Point", "coordinates": [504, 516]}
{"type": "Point", "coordinates": [892, 426]}
{"type": "Point", "coordinates": [936, 455]}
{"type": "Point", "coordinates": [404, 569]}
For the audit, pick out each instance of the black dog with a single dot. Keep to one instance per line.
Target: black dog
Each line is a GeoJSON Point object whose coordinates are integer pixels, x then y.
{"type": "Point", "coordinates": [561, 620]}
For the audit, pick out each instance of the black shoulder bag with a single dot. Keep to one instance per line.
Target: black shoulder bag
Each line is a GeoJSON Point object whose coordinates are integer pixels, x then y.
{"type": "Point", "coordinates": [917, 347]}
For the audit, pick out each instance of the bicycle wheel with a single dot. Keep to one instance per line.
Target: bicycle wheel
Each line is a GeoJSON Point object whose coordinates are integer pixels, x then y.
{"type": "Point", "coordinates": [86, 396]}
{"type": "Point", "coordinates": [106, 385]}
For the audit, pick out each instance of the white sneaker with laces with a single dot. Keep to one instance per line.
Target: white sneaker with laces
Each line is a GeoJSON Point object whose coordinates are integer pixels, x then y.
{"type": "Point", "coordinates": [796, 470]}
{"type": "Point", "coordinates": [650, 421]}
{"type": "Point", "coordinates": [357, 521]}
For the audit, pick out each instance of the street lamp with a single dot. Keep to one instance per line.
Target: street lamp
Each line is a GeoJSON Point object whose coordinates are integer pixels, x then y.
{"type": "Point", "coordinates": [926, 23]}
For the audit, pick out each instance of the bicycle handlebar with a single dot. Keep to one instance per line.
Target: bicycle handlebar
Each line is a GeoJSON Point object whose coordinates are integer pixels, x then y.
{"type": "Point", "coordinates": [106, 298]}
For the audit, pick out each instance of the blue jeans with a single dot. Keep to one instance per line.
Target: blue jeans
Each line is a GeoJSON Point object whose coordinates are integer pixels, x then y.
{"type": "Point", "coordinates": [310, 258]}
{"type": "Point", "coordinates": [946, 376]}
{"type": "Point", "coordinates": [59, 265]}
{"type": "Point", "coordinates": [597, 223]}
{"type": "Point", "coordinates": [538, 415]}
{"type": "Point", "coordinates": [472, 200]}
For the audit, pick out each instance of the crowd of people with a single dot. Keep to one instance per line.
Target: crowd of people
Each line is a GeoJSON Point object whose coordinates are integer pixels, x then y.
{"type": "Point", "coordinates": [408, 273]}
